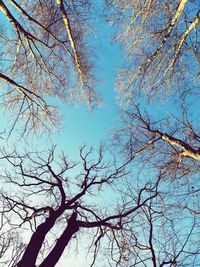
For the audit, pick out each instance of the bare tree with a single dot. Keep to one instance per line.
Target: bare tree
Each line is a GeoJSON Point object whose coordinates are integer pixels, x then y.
{"type": "Point", "coordinates": [159, 38]}
{"type": "Point", "coordinates": [59, 201]}
{"type": "Point", "coordinates": [54, 200]}
{"type": "Point", "coordinates": [161, 42]}
{"type": "Point", "coordinates": [170, 144]}
{"type": "Point", "coordinates": [52, 195]}
{"type": "Point", "coordinates": [171, 221]}
{"type": "Point", "coordinates": [44, 52]}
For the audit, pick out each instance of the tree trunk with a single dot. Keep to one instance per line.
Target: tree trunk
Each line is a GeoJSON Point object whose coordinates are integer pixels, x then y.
{"type": "Point", "coordinates": [62, 242]}
{"type": "Point", "coordinates": [36, 241]}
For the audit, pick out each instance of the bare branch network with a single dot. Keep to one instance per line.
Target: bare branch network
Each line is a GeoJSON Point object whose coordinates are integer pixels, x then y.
{"type": "Point", "coordinates": [52, 194]}
{"type": "Point", "coordinates": [44, 48]}
{"type": "Point", "coordinates": [66, 200]}
{"type": "Point", "coordinates": [139, 208]}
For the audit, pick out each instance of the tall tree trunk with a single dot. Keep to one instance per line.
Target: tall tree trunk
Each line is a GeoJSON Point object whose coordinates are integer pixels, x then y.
{"type": "Point", "coordinates": [36, 241]}
{"type": "Point", "coordinates": [62, 242]}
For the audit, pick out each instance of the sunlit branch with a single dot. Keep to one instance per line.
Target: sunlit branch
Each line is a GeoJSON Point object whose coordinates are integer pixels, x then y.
{"type": "Point", "coordinates": [23, 11]}
{"type": "Point", "coordinates": [66, 21]}
{"type": "Point", "coordinates": [26, 92]}
{"type": "Point", "coordinates": [192, 26]}
{"type": "Point", "coordinates": [187, 150]}
{"type": "Point", "coordinates": [168, 30]}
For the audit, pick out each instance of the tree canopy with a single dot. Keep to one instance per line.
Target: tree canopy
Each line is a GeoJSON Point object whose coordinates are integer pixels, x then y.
{"type": "Point", "coordinates": [134, 199]}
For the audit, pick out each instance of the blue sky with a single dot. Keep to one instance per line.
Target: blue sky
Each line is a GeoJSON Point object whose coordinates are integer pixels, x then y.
{"type": "Point", "coordinates": [79, 125]}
